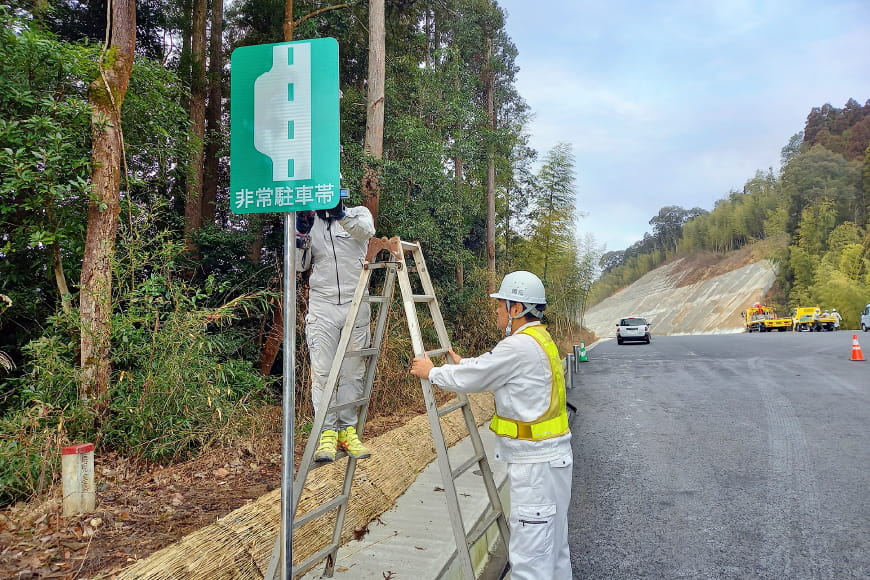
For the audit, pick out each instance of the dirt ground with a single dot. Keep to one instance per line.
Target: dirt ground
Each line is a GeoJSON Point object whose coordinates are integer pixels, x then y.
{"type": "Point", "coordinates": [141, 509]}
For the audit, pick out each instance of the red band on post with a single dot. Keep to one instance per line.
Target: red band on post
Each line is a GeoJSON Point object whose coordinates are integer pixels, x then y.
{"type": "Point", "coordinates": [77, 449]}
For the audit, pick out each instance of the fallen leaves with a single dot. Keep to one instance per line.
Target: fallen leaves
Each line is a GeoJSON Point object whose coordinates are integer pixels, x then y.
{"type": "Point", "coordinates": [141, 508]}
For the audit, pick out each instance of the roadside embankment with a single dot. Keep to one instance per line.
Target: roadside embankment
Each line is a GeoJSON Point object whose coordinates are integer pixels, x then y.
{"type": "Point", "coordinates": [672, 306]}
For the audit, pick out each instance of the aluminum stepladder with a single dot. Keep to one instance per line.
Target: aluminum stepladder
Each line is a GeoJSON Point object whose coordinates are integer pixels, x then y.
{"type": "Point", "coordinates": [395, 266]}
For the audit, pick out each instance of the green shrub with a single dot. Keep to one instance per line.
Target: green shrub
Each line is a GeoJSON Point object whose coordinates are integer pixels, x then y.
{"type": "Point", "coordinates": [29, 456]}
{"type": "Point", "coordinates": [180, 379]}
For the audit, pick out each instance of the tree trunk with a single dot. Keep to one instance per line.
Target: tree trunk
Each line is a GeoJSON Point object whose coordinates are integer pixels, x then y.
{"type": "Point", "coordinates": [193, 199]}
{"type": "Point", "coordinates": [105, 94]}
{"type": "Point", "coordinates": [374, 144]}
{"type": "Point", "coordinates": [213, 113]}
{"type": "Point", "coordinates": [60, 278]}
{"type": "Point", "coordinates": [274, 338]}
{"type": "Point", "coordinates": [256, 223]}
{"type": "Point", "coordinates": [184, 57]}
{"type": "Point", "coordinates": [288, 24]}
{"type": "Point", "coordinates": [490, 169]}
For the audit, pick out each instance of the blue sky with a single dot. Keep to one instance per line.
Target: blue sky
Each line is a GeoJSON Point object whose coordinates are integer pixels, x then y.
{"type": "Point", "coordinates": [679, 102]}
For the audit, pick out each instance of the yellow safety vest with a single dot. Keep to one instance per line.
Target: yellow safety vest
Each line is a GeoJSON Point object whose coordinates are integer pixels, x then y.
{"type": "Point", "coordinates": [554, 421]}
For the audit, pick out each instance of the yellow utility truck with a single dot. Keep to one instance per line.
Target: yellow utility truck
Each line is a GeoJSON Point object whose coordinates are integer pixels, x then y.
{"type": "Point", "coordinates": [812, 319]}
{"type": "Point", "coordinates": [758, 318]}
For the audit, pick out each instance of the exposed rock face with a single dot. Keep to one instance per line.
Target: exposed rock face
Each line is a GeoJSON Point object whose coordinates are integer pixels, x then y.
{"type": "Point", "coordinates": [705, 307]}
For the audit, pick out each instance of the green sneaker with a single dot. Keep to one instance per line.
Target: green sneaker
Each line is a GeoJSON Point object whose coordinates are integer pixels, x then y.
{"type": "Point", "coordinates": [326, 448]}
{"type": "Point", "coordinates": [350, 443]}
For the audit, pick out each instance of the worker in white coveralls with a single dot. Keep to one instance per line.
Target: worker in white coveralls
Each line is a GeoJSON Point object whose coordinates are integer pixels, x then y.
{"type": "Point", "coordinates": [333, 243]}
{"type": "Point", "coordinates": [524, 372]}
{"type": "Point", "coordinates": [837, 319]}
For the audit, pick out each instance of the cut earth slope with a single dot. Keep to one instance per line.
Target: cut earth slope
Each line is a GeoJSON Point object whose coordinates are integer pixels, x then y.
{"type": "Point", "coordinates": [681, 298]}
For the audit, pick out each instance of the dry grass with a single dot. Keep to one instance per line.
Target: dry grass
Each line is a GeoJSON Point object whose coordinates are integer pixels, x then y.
{"type": "Point", "coordinates": [238, 546]}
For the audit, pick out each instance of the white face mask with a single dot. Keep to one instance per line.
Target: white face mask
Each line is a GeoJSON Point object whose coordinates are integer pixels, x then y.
{"type": "Point", "coordinates": [527, 309]}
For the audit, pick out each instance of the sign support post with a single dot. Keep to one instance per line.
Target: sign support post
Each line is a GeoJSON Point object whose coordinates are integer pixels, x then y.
{"type": "Point", "coordinates": [284, 157]}
{"type": "Point", "coordinates": [289, 398]}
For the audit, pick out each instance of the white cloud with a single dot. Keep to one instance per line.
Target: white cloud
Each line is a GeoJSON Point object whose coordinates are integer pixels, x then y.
{"type": "Point", "coordinates": [678, 101]}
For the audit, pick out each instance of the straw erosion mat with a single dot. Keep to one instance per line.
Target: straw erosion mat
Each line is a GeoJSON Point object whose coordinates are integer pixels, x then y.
{"type": "Point", "coordinates": [238, 546]}
{"type": "Point", "coordinates": [140, 515]}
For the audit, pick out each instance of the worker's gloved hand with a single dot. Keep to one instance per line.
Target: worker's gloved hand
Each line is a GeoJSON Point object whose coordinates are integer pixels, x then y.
{"type": "Point", "coordinates": [338, 211]}
{"type": "Point", "coordinates": [304, 221]}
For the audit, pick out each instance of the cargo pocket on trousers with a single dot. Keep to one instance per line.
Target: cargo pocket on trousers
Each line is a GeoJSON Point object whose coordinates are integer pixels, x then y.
{"type": "Point", "coordinates": [535, 527]}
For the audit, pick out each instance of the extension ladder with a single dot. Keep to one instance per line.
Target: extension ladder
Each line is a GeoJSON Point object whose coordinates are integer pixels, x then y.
{"type": "Point", "coordinates": [395, 266]}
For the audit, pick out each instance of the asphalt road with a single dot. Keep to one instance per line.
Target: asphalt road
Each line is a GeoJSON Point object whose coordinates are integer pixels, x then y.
{"type": "Point", "coordinates": [726, 456]}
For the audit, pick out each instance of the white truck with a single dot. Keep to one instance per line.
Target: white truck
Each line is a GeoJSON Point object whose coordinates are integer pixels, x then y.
{"type": "Point", "coordinates": [865, 319]}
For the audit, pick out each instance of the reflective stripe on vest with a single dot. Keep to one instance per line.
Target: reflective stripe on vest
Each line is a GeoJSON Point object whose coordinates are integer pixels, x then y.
{"type": "Point", "coordinates": [554, 421]}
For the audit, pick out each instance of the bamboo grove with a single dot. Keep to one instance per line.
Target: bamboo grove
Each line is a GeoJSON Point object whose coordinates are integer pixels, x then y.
{"type": "Point", "coordinates": [810, 218]}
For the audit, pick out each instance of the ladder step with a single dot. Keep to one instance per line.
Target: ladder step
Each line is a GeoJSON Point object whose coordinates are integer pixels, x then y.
{"type": "Point", "coordinates": [437, 352]}
{"type": "Point", "coordinates": [356, 403]}
{"type": "Point", "coordinates": [327, 507]}
{"type": "Point", "coordinates": [339, 455]}
{"type": "Point", "coordinates": [313, 559]}
{"type": "Point", "coordinates": [375, 298]}
{"type": "Point", "coordinates": [471, 462]}
{"type": "Point", "coordinates": [409, 246]}
{"type": "Point", "coordinates": [423, 297]}
{"type": "Point", "coordinates": [481, 527]}
{"type": "Point", "coordinates": [451, 407]}
{"type": "Point", "coordinates": [363, 352]}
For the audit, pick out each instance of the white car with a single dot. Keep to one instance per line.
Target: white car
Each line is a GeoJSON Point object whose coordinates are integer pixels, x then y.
{"type": "Point", "coordinates": [865, 319]}
{"type": "Point", "coordinates": [633, 328]}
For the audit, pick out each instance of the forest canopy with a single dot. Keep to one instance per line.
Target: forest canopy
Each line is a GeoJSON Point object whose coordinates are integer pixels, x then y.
{"type": "Point", "coordinates": [138, 311]}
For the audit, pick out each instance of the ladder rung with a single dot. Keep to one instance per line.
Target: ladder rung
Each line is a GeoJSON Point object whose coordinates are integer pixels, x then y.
{"type": "Point", "coordinates": [377, 265]}
{"type": "Point", "coordinates": [407, 246]}
{"type": "Point", "coordinates": [481, 527]}
{"type": "Point", "coordinates": [437, 352]}
{"type": "Point", "coordinates": [374, 298]}
{"type": "Point", "coordinates": [339, 455]}
{"type": "Point", "coordinates": [327, 507]}
{"type": "Point", "coordinates": [451, 407]}
{"type": "Point", "coordinates": [312, 559]}
{"type": "Point", "coordinates": [471, 462]}
{"type": "Point", "coordinates": [356, 403]}
{"type": "Point", "coordinates": [362, 352]}
{"type": "Point", "coordinates": [423, 297]}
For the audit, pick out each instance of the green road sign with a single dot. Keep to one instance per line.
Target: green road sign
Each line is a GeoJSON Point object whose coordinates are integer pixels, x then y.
{"type": "Point", "coordinates": [284, 141]}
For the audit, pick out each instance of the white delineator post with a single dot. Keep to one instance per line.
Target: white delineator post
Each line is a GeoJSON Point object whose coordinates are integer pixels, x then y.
{"type": "Point", "coordinates": [77, 472]}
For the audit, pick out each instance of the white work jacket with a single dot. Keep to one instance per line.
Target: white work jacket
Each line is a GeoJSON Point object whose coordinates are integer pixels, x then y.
{"type": "Point", "coordinates": [338, 249]}
{"type": "Point", "coordinates": [517, 371]}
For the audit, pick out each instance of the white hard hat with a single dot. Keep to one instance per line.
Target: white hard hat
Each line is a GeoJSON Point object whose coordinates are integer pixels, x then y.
{"type": "Point", "coordinates": [835, 309]}
{"type": "Point", "coordinates": [521, 286]}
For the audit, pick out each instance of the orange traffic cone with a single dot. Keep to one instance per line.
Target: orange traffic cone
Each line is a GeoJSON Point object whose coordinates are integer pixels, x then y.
{"type": "Point", "coordinates": [856, 349]}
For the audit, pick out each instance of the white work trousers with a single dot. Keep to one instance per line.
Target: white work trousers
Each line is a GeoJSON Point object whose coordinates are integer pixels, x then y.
{"type": "Point", "coordinates": [539, 496]}
{"type": "Point", "coordinates": [322, 333]}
